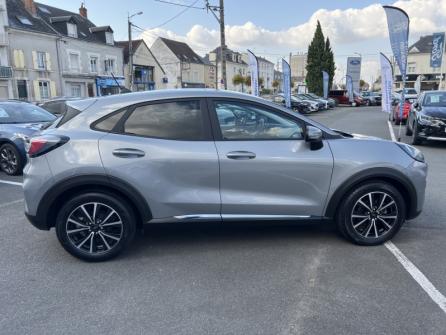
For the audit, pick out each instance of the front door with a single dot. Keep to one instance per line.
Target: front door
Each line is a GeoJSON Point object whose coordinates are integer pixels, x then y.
{"type": "Point", "coordinates": [165, 150]}
{"type": "Point", "coordinates": [266, 167]}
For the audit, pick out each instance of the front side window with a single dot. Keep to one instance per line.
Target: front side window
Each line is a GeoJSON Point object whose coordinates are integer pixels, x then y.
{"type": "Point", "coordinates": [244, 121]}
{"type": "Point", "coordinates": [44, 88]}
{"type": "Point", "coordinates": [181, 120]}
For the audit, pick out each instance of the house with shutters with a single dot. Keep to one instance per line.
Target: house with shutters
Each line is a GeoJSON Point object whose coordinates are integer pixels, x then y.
{"type": "Point", "coordinates": [60, 53]}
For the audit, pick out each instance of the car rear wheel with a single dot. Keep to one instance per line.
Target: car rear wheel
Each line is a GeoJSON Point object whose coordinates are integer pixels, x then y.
{"type": "Point", "coordinates": [95, 226]}
{"type": "Point", "coordinates": [371, 214]}
{"type": "Point", "coordinates": [10, 160]}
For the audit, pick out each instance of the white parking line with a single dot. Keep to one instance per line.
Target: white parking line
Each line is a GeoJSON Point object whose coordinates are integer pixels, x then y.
{"type": "Point", "coordinates": [392, 133]}
{"type": "Point", "coordinates": [419, 277]}
{"type": "Point", "coordinates": [11, 203]}
{"type": "Point", "coordinates": [11, 182]}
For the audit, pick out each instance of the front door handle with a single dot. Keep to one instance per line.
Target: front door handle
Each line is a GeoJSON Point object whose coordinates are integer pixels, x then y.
{"type": "Point", "coordinates": [241, 155]}
{"type": "Point", "coordinates": [128, 153]}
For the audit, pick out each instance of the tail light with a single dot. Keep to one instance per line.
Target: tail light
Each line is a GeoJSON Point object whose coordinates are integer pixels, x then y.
{"type": "Point", "coordinates": [41, 145]}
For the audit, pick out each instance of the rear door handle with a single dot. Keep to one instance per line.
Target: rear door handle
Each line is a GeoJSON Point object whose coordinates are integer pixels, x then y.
{"type": "Point", "coordinates": [241, 155]}
{"type": "Point", "coordinates": [128, 153]}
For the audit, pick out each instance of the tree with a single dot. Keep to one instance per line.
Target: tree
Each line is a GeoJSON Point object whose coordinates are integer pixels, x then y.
{"type": "Point", "coordinates": [329, 64]}
{"type": "Point", "coordinates": [238, 79]}
{"type": "Point", "coordinates": [315, 61]}
{"type": "Point", "coordinates": [320, 58]}
{"type": "Point", "coordinates": [276, 83]}
{"type": "Point", "coordinates": [248, 80]}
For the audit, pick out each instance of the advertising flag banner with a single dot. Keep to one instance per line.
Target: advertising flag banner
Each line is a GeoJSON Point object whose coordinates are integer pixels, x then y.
{"type": "Point", "coordinates": [437, 50]}
{"type": "Point", "coordinates": [254, 68]}
{"type": "Point", "coordinates": [386, 83]}
{"type": "Point", "coordinates": [349, 86]}
{"type": "Point", "coordinates": [286, 82]}
{"type": "Point", "coordinates": [398, 24]}
{"type": "Point", "coordinates": [325, 82]}
{"type": "Point", "coordinates": [417, 86]}
{"type": "Point", "coordinates": [354, 71]}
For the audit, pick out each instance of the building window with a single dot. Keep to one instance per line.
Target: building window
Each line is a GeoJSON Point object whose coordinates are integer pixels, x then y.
{"type": "Point", "coordinates": [76, 90]}
{"type": "Point", "coordinates": [411, 67]}
{"type": "Point", "coordinates": [41, 60]}
{"type": "Point", "coordinates": [44, 88]}
{"type": "Point", "coordinates": [72, 30]}
{"type": "Point", "coordinates": [74, 62]}
{"type": "Point", "coordinates": [109, 65]}
{"type": "Point", "coordinates": [94, 64]}
{"type": "Point", "coordinates": [22, 89]}
{"type": "Point", "coordinates": [195, 77]}
{"type": "Point", "coordinates": [109, 38]}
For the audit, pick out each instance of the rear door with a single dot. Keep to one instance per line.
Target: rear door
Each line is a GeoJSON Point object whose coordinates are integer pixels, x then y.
{"type": "Point", "coordinates": [166, 151]}
{"type": "Point", "coordinates": [267, 170]}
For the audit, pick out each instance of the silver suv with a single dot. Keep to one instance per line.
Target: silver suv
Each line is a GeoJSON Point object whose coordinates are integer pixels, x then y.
{"type": "Point", "coordinates": [112, 164]}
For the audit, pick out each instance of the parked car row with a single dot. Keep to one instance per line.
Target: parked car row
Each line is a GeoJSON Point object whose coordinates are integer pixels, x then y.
{"type": "Point", "coordinates": [341, 97]}
{"type": "Point", "coordinates": [303, 103]}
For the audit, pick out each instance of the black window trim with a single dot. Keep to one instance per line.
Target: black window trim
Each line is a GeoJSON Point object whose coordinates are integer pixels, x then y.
{"type": "Point", "coordinates": [218, 136]}
{"type": "Point", "coordinates": [118, 129]}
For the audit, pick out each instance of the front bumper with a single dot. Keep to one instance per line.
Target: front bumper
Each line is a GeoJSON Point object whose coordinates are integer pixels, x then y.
{"type": "Point", "coordinates": [431, 132]}
{"type": "Point", "coordinates": [39, 223]}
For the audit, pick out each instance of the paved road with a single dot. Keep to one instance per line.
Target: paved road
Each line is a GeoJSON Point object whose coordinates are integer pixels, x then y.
{"type": "Point", "coordinates": [230, 279]}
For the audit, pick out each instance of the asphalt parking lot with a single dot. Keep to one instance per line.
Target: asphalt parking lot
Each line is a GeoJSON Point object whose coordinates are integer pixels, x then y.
{"type": "Point", "coordinates": [231, 279]}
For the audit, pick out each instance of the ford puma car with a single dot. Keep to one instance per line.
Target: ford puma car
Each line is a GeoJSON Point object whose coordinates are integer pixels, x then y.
{"type": "Point", "coordinates": [112, 164]}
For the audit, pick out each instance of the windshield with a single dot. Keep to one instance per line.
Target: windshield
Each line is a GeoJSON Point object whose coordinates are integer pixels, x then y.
{"type": "Point", "coordinates": [19, 112]}
{"type": "Point", "coordinates": [410, 91]}
{"type": "Point", "coordinates": [435, 99]}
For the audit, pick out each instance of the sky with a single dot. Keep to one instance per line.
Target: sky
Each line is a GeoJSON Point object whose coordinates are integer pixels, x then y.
{"type": "Point", "coordinates": [271, 29]}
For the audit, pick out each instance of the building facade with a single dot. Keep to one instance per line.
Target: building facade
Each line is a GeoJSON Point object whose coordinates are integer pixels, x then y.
{"type": "Point", "coordinates": [6, 88]}
{"type": "Point", "coordinates": [148, 74]}
{"type": "Point", "coordinates": [182, 66]}
{"type": "Point", "coordinates": [59, 53]}
{"type": "Point", "coordinates": [235, 65]}
{"type": "Point", "coordinates": [210, 74]}
{"type": "Point", "coordinates": [298, 65]}
{"type": "Point", "coordinates": [418, 64]}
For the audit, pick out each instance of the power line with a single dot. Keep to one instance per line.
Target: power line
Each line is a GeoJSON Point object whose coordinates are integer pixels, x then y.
{"type": "Point", "coordinates": [178, 14]}
{"type": "Point", "coordinates": [180, 4]}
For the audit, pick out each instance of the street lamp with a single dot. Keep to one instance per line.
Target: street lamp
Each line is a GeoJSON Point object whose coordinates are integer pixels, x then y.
{"type": "Point", "coordinates": [131, 48]}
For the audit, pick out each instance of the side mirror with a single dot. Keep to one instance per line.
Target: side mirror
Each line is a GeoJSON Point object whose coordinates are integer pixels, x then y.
{"type": "Point", "coordinates": [313, 136]}
{"type": "Point", "coordinates": [416, 105]}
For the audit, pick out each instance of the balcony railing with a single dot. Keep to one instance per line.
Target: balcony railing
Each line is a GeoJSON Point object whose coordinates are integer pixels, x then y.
{"type": "Point", "coordinates": [5, 72]}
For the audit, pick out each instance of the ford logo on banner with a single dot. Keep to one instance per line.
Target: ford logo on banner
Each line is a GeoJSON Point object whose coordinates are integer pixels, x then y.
{"type": "Point", "coordinates": [355, 62]}
{"type": "Point", "coordinates": [437, 50]}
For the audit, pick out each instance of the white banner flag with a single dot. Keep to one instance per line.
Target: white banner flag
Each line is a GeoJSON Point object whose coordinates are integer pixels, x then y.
{"type": "Point", "coordinates": [254, 68]}
{"type": "Point", "coordinates": [386, 83]}
{"type": "Point", "coordinates": [417, 86]}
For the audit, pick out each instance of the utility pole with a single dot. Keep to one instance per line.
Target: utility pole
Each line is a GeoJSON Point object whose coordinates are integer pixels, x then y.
{"type": "Point", "coordinates": [221, 20]}
{"type": "Point", "coordinates": [131, 49]}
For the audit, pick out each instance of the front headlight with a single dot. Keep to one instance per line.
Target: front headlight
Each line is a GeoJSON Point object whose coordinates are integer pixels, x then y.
{"type": "Point", "coordinates": [424, 119]}
{"type": "Point", "coordinates": [412, 151]}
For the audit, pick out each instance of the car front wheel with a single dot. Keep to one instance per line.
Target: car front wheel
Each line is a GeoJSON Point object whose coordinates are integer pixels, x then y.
{"type": "Point", "coordinates": [95, 226]}
{"type": "Point", "coordinates": [371, 214]}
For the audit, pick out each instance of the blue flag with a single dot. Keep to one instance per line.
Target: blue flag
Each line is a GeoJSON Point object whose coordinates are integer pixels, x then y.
{"type": "Point", "coordinates": [325, 81]}
{"type": "Point", "coordinates": [286, 82]}
{"type": "Point", "coordinates": [398, 24]}
{"type": "Point", "coordinates": [254, 68]}
{"type": "Point", "coordinates": [349, 86]}
{"type": "Point", "coordinates": [437, 50]}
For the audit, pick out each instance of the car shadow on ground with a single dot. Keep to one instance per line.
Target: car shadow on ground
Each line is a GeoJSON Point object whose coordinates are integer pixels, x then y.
{"type": "Point", "coordinates": [192, 237]}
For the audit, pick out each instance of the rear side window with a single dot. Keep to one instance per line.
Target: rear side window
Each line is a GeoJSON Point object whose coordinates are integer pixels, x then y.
{"type": "Point", "coordinates": [108, 123]}
{"type": "Point", "coordinates": [69, 114]}
{"type": "Point", "coordinates": [180, 120]}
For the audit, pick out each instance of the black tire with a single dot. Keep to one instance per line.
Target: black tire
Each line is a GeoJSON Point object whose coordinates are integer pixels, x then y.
{"type": "Point", "coordinates": [408, 130]}
{"type": "Point", "coordinates": [11, 162]}
{"type": "Point", "coordinates": [416, 140]}
{"type": "Point", "coordinates": [112, 247]}
{"type": "Point", "coordinates": [397, 122]}
{"type": "Point", "coordinates": [345, 218]}
{"type": "Point", "coordinates": [368, 103]}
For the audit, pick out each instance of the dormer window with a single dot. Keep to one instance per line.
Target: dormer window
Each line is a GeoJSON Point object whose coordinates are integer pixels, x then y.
{"type": "Point", "coordinates": [109, 38]}
{"type": "Point", "coordinates": [72, 30]}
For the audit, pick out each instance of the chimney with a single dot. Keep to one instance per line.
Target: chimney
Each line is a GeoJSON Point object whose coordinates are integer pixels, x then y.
{"type": "Point", "coordinates": [83, 11]}
{"type": "Point", "coordinates": [30, 6]}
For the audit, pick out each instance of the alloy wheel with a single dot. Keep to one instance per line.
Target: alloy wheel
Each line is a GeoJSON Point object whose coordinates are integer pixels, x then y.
{"type": "Point", "coordinates": [374, 214]}
{"type": "Point", "coordinates": [94, 228]}
{"type": "Point", "coordinates": [8, 160]}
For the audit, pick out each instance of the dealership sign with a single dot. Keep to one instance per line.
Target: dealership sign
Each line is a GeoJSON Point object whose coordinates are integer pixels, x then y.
{"type": "Point", "coordinates": [354, 71]}
{"type": "Point", "coordinates": [437, 50]}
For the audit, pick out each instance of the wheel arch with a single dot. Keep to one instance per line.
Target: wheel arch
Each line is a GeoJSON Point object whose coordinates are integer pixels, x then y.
{"type": "Point", "coordinates": [65, 189]}
{"type": "Point", "coordinates": [390, 176]}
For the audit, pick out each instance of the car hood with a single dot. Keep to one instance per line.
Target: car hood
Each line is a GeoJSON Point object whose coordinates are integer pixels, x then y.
{"type": "Point", "coordinates": [439, 112]}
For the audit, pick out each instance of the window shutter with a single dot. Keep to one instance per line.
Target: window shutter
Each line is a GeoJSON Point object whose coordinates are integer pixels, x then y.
{"type": "Point", "coordinates": [22, 59]}
{"type": "Point", "coordinates": [48, 61]}
{"type": "Point", "coordinates": [16, 56]}
{"type": "Point", "coordinates": [36, 90]}
{"type": "Point", "coordinates": [53, 92]}
{"type": "Point", "coordinates": [35, 65]}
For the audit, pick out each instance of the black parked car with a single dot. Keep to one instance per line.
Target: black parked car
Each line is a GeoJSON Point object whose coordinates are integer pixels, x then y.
{"type": "Point", "coordinates": [427, 118]}
{"type": "Point", "coordinates": [18, 122]}
{"type": "Point", "coordinates": [296, 104]}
